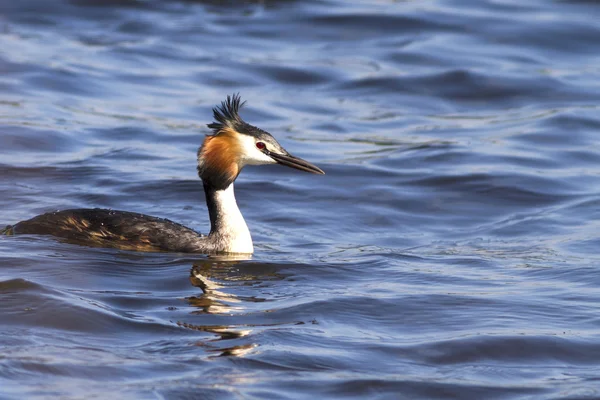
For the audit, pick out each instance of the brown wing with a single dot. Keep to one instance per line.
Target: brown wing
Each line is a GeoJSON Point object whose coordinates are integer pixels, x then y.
{"type": "Point", "coordinates": [110, 228]}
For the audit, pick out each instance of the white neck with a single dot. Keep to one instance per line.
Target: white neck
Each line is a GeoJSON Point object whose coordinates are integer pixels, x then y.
{"type": "Point", "coordinates": [228, 230]}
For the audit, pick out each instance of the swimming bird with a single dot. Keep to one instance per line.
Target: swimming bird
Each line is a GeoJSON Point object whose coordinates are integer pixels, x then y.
{"type": "Point", "coordinates": [221, 157]}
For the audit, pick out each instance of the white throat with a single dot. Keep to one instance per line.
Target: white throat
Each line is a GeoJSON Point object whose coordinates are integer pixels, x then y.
{"type": "Point", "coordinates": [228, 227]}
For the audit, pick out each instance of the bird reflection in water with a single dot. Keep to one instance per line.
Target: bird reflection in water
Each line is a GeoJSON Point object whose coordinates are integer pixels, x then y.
{"type": "Point", "coordinates": [219, 277]}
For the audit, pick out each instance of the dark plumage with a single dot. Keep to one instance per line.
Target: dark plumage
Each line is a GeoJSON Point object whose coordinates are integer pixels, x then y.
{"type": "Point", "coordinates": [111, 228]}
{"type": "Point", "coordinates": [227, 115]}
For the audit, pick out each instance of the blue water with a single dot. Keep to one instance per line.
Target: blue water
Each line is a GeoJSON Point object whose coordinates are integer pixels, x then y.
{"type": "Point", "coordinates": [450, 252]}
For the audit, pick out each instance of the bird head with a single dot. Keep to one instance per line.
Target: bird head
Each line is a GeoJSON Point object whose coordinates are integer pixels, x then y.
{"type": "Point", "coordinates": [235, 144]}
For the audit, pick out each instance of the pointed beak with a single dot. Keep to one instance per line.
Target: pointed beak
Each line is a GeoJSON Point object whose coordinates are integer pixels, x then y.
{"type": "Point", "coordinates": [295, 162]}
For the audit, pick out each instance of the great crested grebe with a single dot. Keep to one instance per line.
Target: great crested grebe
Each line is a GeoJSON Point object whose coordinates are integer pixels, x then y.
{"type": "Point", "coordinates": [233, 145]}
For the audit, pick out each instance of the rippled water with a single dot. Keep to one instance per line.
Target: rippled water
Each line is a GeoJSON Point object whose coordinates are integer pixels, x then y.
{"type": "Point", "coordinates": [451, 251]}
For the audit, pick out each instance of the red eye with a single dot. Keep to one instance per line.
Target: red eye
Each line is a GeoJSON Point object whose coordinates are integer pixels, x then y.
{"type": "Point", "coordinates": [260, 145]}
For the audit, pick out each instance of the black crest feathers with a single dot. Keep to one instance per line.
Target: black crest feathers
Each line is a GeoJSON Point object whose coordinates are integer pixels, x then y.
{"type": "Point", "coordinates": [227, 115]}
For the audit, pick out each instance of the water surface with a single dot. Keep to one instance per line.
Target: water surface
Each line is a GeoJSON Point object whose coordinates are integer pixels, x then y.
{"type": "Point", "coordinates": [451, 251]}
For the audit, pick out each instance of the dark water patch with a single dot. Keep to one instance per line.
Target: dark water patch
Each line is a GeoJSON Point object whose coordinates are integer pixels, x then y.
{"type": "Point", "coordinates": [545, 350]}
{"type": "Point", "coordinates": [73, 174]}
{"type": "Point", "coordinates": [28, 302]}
{"type": "Point", "coordinates": [65, 81]}
{"type": "Point", "coordinates": [8, 67]}
{"type": "Point", "coordinates": [361, 26]}
{"type": "Point", "coordinates": [29, 139]}
{"type": "Point", "coordinates": [126, 133]}
{"type": "Point", "coordinates": [292, 75]}
{"type": "Point", "coordinates": [118, 4]}
{"type": "Point", "coordinates": [468, 88]}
